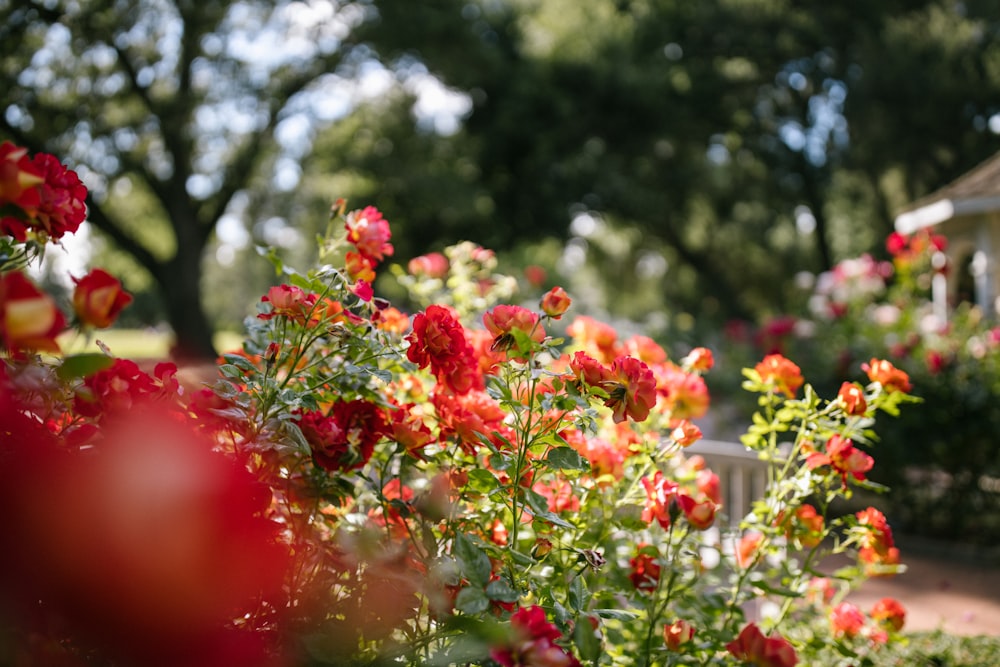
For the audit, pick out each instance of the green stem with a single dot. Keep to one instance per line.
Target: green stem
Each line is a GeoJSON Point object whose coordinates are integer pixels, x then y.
{"type": "Point", "coordinates": [524, 440]}
{"type": "Point", "coordinates": [659, 604]}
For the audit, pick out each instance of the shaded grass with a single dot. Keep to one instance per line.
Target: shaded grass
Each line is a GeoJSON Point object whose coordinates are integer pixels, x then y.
{"type": "Point", "coordinates": [138, 343]}
{"type": "Point", "coordinates": [940, 649]}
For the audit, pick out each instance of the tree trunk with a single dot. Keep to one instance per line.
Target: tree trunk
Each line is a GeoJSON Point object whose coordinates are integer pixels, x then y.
{"type": "Point", "coordinates": [180, 285]}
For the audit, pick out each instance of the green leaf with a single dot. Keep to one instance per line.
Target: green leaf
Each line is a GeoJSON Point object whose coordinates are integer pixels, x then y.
{"type": "Point", "coordinates": [617, 614]}
{"type": "Point", "coordinates": [499, 461]}
{"type": "Point", "coordinates": [540, 508]}
{"type": "Point", "coordinates": [230, 370]}
{"type": "Point", "coordinates": [579, 595]}
{"type": "Point", "coordinates": [472, 600]}
{"type": "Point", "coordinates": [763, 585]}
{"type": "Point", "coordinates": [502, 591]}
{"type": "Point", "coordinates": [566, 458]}
{"type": "Point", "coordinates": [296, 439]}
{"type": "Point", "coordinates": [520, 558]}
{"type": "Point", "coordinates": [587, 639]}
{"type": "Point", "coordinates": [239, 361]}
{"type": "Point", "coordinates": [472, 561]}
{"type": "Point", "coordinates": [482, 480]}
{"type": "Point", "coordinates": [298, 280]}
{"type": "Point", "coordinates": [486, 442]}
{"type": "Point", "coordinates": [83, 365]}
{"type": "Point", "coordinates": [225, 389]}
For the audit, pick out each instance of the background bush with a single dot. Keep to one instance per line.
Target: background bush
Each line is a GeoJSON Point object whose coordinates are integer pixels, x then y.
{"type": "Point", "coordinates": [939, 649]}
{"type": "Point", "coordinates": [942, 458]}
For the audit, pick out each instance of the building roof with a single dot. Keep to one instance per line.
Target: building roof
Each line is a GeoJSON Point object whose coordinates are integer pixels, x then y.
{"type": "Point", "coordinates": [976, 191]}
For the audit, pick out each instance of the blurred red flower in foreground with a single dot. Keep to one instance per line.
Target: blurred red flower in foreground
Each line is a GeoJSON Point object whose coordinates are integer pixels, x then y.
{"type": "Point", "coordinates": [146, 547]}
{"type": "Point", "coordinates": [29, 318]}
{"type": "Point", "coordinates": [47, 198]}
{"type": "Point", "coordinates": [756, 649]}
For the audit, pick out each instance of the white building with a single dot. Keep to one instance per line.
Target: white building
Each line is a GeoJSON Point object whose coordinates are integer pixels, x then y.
{"type": "Point", "coordinates": [967, 213]}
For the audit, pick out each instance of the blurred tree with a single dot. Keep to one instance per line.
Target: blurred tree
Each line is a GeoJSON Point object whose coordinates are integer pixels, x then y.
{"type": "Point", "coordinates": [753, 139]}
{"type": "Point", "coordinates": [175, 104]}
{"type": "Point", "coordinates": [729, 143]}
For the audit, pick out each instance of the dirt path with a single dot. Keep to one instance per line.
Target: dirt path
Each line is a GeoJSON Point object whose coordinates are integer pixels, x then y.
{"type": "Point", "coordinates": [940, 593]}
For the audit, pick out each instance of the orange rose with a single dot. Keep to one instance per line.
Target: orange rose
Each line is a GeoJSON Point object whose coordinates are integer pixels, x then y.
{"type": "Point", "coordinates": [555, 302]}
{"type": "Point", "coordinates": [780, 373]}
{"type": "Point", "coordinates": [891, 378]}
{"type": "Point", "coordinates": [677, 634]}
{"type": "Point", "coordinates": [889, 613]}
{"type": "Point", "coordinates": [851, 398]}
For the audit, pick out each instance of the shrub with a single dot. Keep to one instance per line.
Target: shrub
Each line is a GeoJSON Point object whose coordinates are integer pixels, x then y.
{"type": "Point", "coordinates": [941, 460]}
{"type": "Point", "coordinates": [359, 486]}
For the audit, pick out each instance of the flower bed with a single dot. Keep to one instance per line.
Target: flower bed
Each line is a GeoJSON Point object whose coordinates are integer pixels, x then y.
{"type": "Point", "coordinates": [940, 460]}
{"type": "Point", "coordinates": [362, 486]}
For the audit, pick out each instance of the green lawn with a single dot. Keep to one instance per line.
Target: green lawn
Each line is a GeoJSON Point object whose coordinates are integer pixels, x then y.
{"type": "Point", "coordinates": [138, 343]}
{"type": "Point", "coordinates": [938, 649]}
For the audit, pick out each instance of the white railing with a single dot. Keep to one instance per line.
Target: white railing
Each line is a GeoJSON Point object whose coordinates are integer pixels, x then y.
{"type": "Point", "coordinates": [742, 476]}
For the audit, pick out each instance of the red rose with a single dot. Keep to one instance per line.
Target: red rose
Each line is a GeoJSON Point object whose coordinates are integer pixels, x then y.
{"type": "Point", "coordinates": [631, 389]}
{"type": "Point", "coordinates": [846, 620]}
{"type": "Point", "coordinates": [62, 208]}
{"type": "Point", "coordinates": [438, 340]}
{"type": "Point", "coordinates": [753, 647]}
{"type": "Point", "coordinates": [645, 572]}
{"type": "Point", "coordinates": [533, 642]}
{"type": "Point", "coordinates": [431, 265]}
{"type": "Point", "coordinates": [842, 456]}
{"type": "Point", "coordinates": [660, 495]}
{"type": "Point", "coordinates": [700, 514]}
{"type": "Point", "coordinates": [369, 232]}
{"type": "Point", "coordinates": [98, 299]}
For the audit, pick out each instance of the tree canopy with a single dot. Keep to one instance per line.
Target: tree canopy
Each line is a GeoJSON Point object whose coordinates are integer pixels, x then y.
{"type": "Point", "coordinates": [736, 142]}
{"type": "Point", "coordinates": [180, 102]}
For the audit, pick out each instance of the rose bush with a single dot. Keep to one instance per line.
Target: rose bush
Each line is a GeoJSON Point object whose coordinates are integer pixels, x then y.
{"type": "Point", "coordinates": [363, 486]}
{"type": "Point", "coordinates": [876, 319]}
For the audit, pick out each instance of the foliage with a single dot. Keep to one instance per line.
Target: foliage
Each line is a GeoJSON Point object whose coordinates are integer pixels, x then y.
{"type": "Point", "coordinates": [165, 108]}
{"type": "Point", "coordinates": [362, 487]}
{"type": "Point", "coordinates": [717, 135]}
{"type": "Point", "coordinates": [940, 649]}
{"type": "Point", "coordinates": [710, 137]}
{"type": "Point", "coordinates": [941, 459]}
